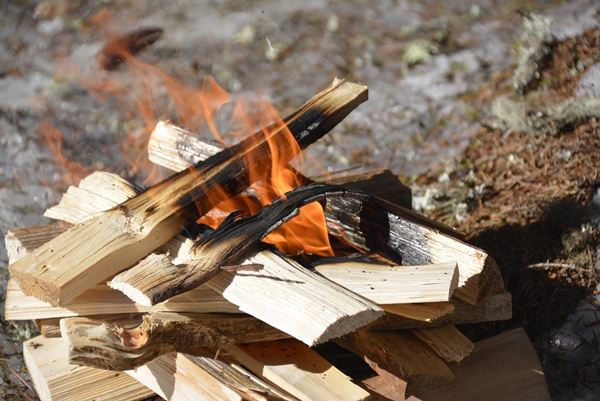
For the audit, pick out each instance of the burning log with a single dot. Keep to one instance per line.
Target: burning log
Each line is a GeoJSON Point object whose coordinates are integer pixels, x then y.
{"type": "Point", "coordinates": [94, 250]}
{"type": "Point", "coordinates": [392, 231]}
{"type": "Point", "coordinates": [121, 342]}
{"type": "Point", "coordinates": [156, 280]}
{"type": "Point", "coordinates": [177, 149]}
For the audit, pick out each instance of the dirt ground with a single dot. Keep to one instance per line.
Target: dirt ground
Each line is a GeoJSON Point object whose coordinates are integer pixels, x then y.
{"type": "Point", "coordinates": [488, 110]}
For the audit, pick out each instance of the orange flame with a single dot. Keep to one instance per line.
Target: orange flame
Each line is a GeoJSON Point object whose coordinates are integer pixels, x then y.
{"type": "Point", "coordinates": [196, 109]}
{"type": "Point", "coordinates": [54, 138]}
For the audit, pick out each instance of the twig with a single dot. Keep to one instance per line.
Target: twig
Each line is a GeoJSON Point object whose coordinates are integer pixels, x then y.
{"type": "Point", "coordinates": [551, 265]}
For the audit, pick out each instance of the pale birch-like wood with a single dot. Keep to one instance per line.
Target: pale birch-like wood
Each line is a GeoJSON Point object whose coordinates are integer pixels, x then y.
{"type": "Point", "coordinates": [424, 312]}
{"type": "Point", "coordinates": [98, 192]}
{"type": "Point", "coordinates": [393, 284]}
{"type": "Point", "coordinates": [286, 295]}
{"type": "Point", "coordinates": [121, 342]}
{"type": "Point", "coordinates": [205, 375]}
{"type": "Point", "coordinates": [447, 341]}
{"type": "Point", "coordinates": [102, 299]}
{"type": "Point", "coordinates": [503, 367]}
{"type": "Point", "coordinates": [158, 375]}
{"type": "Point", "coordinates": [196, 375]}
{"type": "Point", "coordinates": [100, 247]}
{"type": "Point", "coordinates": [400, 358]}
{"type": "Point", "coordinates": [55, 379]}
{"type": "Point", "coordinates": [297, 369]}
{"type": "Point", "coordinates": [495, 307]}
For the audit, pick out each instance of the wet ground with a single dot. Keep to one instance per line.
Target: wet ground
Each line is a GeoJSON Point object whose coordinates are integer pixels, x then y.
{"type": "Point", "coordinates": [433, 73]}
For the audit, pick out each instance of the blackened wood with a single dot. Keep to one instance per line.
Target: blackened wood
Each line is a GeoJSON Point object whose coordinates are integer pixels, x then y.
{"type": "Point", "coordinates": [177, 149]}
{"type": "Point", "coordinates": [235, 236]}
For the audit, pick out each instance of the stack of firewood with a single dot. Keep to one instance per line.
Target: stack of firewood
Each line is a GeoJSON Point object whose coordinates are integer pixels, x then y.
{"type": "Point", "coordinates": [124, 283]}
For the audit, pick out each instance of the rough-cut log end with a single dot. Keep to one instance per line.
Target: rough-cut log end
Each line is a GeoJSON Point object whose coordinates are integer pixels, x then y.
{"type": "Point", "coordinates": [131, 292]}
{"type": "Point", "coordinates": [345, 325]}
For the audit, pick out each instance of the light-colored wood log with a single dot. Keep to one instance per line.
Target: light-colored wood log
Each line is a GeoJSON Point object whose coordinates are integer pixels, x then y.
{"type": "Point", "coordinates": [102, 299]}
{"type": "Point", "coordinates": [496, 307]}
{"type": "Point", "coordinates": [424, 312]}
{"type": "Point", "coordinates": [21, 241]}
{"type": "Point", "coordinates": [503, 367]}
{"type": "Point", "coordinates": [286, 295]}
{"type": "Point", "coordinates": [55, 379]}
{"type": "Point", "coordinates": [447, 341]}
{"type": "Point", "coordinates": [174, 148]}
{"type": "Point", "coordinates": [297, 369]}
{"type": "Point", "coordinates": [158, 375]}
{"type": "Point", "coordinates": [418, 240]}
{"type": "Point", "coordinates": [98, 192]}
{"type": "Point", "coordinates": [197, 375]}
{"type": "Point", "coordinates": [400, 358]}
{"type": "Point", "coordinates": [393, 284]}
{"type": "Point", "coordinates": [96, 249]}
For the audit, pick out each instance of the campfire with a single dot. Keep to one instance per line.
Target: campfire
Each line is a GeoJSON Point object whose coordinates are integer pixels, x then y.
{"type": "Point", "coordinates": [216, 282]}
